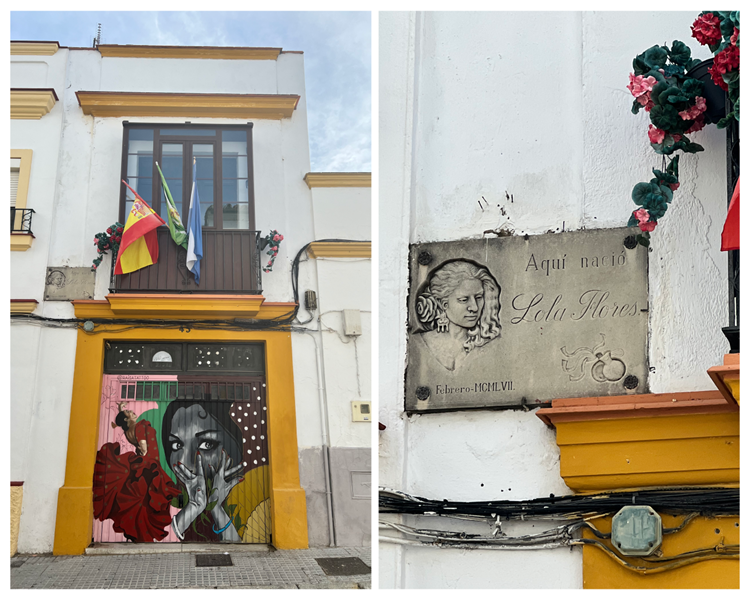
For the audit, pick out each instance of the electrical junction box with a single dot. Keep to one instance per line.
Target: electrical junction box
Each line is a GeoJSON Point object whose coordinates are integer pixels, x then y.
{"type": "Point", "coordinates": [352, 322]}
{"type": "Point", "coordinates": [361, 411]}
{"type": "Point", "coordinates": [636, 531]}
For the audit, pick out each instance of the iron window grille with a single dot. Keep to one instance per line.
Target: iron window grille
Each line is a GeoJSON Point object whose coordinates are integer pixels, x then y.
{"type": "Point", "coordinates": [20, 220]}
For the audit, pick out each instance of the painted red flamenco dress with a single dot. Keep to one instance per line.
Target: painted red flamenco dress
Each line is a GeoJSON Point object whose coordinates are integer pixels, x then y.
{"type": "Point", "coordinates": [133, 490]}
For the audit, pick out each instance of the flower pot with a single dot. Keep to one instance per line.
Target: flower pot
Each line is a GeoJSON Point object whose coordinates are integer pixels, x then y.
{"type": "Point", "coordinates": [714, 95]}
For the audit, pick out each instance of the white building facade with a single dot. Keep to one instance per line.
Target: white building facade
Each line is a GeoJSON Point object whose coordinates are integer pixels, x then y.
{"type": "Point", "coordinates": [71, 110]}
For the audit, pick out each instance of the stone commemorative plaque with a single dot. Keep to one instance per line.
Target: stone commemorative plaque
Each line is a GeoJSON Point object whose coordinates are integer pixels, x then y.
{"type": "Point", "coordinates": [522, 320]}
{"type": "Point", "coordinates": [69, 283]}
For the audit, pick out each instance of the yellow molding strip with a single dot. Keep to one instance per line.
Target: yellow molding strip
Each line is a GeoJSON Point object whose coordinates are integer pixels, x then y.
{"type": "Point", "coordinates": [31, 103]}
{"type": "Point", "coordinates": [227, 106]}
{"type": "Point", "coordinates": [20, 242]}
{"type": "Point", "coordinates": [24, 175]}
{"type": "Point", "coordinates": [338, 180]}
{"type": "Point", "coordinates": [34, 48]}
{"type": "Point", "coordinates": [340, 250]}
{"type": "Point", "coordinates": [23, 307]}
{"type": "Point", "coordinates": [201, 52]}
{"type": "Point", "coordinates": [179, 306]}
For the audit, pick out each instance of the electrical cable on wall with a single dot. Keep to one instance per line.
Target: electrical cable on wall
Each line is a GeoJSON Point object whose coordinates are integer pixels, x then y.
{"type": "Point", "coordinates": [578, 511]}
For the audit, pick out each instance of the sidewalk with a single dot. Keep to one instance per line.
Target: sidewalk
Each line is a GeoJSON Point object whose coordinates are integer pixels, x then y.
{"type": "Point", "coordinates": [276, 569]}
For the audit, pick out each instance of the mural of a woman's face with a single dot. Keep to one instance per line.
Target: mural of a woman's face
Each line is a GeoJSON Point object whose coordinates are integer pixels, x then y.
{"type": "Point", "coordinates": [464, 305]}
{"type": "Point", "coordinates": [193, 430]}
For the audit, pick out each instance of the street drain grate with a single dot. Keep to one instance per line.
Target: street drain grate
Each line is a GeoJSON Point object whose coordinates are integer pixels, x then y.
{"type": "Point", "coordinates": [343, 566]}
{"type": "Point", "coordinates": [213, 560]}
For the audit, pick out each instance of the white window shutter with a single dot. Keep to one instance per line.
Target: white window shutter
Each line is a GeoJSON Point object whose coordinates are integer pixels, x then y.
{"type": "Point", "coordinates": [14, 173]}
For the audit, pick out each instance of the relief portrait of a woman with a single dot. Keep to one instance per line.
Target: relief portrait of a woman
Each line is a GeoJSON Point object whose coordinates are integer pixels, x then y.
{"type": "Point", "coordinates": [458, 309]}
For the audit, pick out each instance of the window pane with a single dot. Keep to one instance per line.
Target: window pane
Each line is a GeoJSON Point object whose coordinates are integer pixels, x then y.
{"type": "Point", "coordinates": [171, 161]}
{"type": "Point", "coordinates": [236, 216]}
{"type": "Point", "coordinates": [140, 165]}
{"type": "Point", "coordinates": [187, 131]}
{"type": "Point", "coordinates": [204, 156]}
{"type": "Point", "coordinates": [234, 135]}
{"type": "Point", "coordinates": [140, 134]}
{"type": "Point", "coordinates": [235, 211]}
{"type": "Point", "coordinates": [233, 165]}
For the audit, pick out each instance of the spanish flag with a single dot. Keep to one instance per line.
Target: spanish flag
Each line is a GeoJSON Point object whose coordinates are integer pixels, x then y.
{"type": "Point", "coordinates": [730, 236]}
{"type": "Point", "coordinates": [139, 247]}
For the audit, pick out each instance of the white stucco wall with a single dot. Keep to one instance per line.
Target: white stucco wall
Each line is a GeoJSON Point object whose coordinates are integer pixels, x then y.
{"type": "Point", "coordinates": [75, 183]}
{"type": "Point", "coordinates": [479, 104]}
{"type": "Point", "coordinates": [340, 284]}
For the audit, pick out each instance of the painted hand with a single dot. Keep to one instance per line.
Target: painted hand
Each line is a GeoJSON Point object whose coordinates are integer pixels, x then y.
{"type": "Point", "coordinates": [223, 482]}
{"type": "Point", "coordinates": [195, 484]}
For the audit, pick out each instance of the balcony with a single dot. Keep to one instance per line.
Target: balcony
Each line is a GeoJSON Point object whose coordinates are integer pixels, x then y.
{"type": "Point", "coordinates": [230, 265]}
{"type": "Point", "coordinates": [20, 228]}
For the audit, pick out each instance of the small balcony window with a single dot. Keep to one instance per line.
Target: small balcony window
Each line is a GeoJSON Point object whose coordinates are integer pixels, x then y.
{"type": "Point", "coordinates": [224, 177]}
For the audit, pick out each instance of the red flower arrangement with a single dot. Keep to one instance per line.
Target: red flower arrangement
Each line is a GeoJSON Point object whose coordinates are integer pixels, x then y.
{"type": "Point", "coordinates": [109, 240]}
{"type": "Point", "coordinates": [724, 62]}
{"type": "Point", "coordinates": [272, 241]}
{"type": "Point", "coordinates": [707, 29]}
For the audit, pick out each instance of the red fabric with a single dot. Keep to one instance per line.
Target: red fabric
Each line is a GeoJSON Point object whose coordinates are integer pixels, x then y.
{"type": "Point", "coordinates": [730, 236]}
{"type": "Point", "coordinates": [133, 490]}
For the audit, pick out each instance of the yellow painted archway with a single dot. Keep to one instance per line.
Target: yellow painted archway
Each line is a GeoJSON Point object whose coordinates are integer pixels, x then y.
{"type": "Point", "coordinates": [288, 509]}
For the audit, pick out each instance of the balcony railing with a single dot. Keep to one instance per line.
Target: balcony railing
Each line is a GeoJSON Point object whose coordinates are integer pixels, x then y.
{"type": "Point", "coordinates": [230, 265]}
{"type": "Point", "coordinates": [20, 219]}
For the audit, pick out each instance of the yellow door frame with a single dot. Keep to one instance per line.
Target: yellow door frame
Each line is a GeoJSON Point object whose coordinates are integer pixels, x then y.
{"type": "Point", "coordinates": [74, 521]}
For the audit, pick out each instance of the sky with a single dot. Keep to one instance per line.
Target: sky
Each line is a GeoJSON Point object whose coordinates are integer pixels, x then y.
{"type": "Point", "coordinates": [337, 60]}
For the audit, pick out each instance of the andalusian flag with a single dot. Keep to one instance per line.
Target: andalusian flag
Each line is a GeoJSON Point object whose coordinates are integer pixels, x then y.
{"type": "Point", "coordinates": [139, 247]}
{"type": "Point", "coordinates": [176, 228]}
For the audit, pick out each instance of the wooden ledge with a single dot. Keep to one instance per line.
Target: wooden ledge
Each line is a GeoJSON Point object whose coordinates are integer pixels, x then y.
{"type": "Point", "coordinates": [34, 48]}
{"type": "Point", "coordinates": [222, 106]}
{"type": "Point", "coordinates": [340, 250]}
{"type": "Point", "coordinates": [727, 378]}
{"type": "Point", "coordinates": [200, 52]}
{"type": "Point", "coordinates": [567, 410]}
{"type": "Point", "coordinates": [22, 307]}
{"type": "Point", "coordinates": [338, 180]}
{"type": "Point", "coordinates": [28, 103]}
{"type": "Point", "coordinates": [20, 242]}
{"type": "Point", "coordinates": [181, 306]}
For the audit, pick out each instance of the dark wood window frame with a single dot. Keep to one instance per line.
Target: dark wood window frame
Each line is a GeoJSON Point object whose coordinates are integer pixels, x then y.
{"type": "Point", "coordinates": [183, 204]}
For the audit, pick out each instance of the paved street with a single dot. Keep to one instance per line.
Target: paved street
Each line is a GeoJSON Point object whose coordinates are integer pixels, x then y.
{"type": "Point", "coordinates": [280, 569]}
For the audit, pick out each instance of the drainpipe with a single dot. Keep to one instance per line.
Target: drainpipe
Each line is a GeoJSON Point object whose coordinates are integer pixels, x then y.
{"type": "Point", "coordinates": [323, 398]}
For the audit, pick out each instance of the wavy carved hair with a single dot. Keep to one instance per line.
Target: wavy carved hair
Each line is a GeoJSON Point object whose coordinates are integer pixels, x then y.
{"type": "Point", "coordinates": [444, 281]}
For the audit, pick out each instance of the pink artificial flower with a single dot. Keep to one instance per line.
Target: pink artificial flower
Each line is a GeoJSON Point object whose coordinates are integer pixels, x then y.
{"type": "Point", "coordinates": [694, 111]}
{"type": "Point", "coordinates": [276, 238]}
{"type": "Point", "coordinates": [640, 85]}
{"type": "Point", "coordinates": [642, 215]}
{"type": "Point", "coordinates": [673, 186]}
{"type": "Point", "coordinates": [735, 36]}
{"type": "Point", "coordinates": [281, 237]}
{"type": "Point", "coordinates": [676, 137]}
{"type": "Point", "coordinates": [656, 135]}
{"type": "Point", "coordinates": [648, 226]}
{"type": "Point", "coordinates": [275, 248]}
{"type": "Point", "coordinates": [96, 240]}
